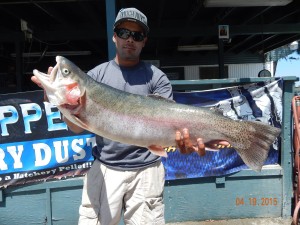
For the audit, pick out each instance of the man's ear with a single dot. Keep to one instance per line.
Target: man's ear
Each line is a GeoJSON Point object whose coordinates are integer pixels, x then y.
{"type": "Point", "coordinates": [145, 40]}
{"type": "Point", "coordinates": [114, 38]}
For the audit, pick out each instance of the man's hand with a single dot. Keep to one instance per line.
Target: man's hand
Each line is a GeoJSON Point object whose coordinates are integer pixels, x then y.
{"type": "Point", "coordinates": [186, 147]}
{"type": "Point", "coordinates": [184, 143]}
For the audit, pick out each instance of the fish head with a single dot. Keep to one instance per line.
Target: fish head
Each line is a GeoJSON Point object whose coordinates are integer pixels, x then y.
{"type": "Point", "coordinates": [63, 84]}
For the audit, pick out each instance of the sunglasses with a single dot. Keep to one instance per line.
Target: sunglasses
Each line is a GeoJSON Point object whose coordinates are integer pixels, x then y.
{"type": "Point", "coordinates": [125, 34]}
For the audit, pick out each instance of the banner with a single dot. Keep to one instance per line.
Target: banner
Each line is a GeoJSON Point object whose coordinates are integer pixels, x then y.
{"type": "Point", "coordinates": [256, 101]}
{"type": "Point", "coordinates": [36, 145]}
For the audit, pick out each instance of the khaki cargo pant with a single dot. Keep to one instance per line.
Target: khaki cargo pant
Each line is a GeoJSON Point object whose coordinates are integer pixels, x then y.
{"type": "Point", "coordinates": [139, 193]}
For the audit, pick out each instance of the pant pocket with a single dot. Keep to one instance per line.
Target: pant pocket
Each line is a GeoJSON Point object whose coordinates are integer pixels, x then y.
{"type": "Point", "coordinates": [88, 213]}
{"type": "Point", "coordinates": [153, 211]}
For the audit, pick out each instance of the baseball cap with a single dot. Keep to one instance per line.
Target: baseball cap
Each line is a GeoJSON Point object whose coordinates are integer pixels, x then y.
{"type": "Point", "coordinates": [132, 14]}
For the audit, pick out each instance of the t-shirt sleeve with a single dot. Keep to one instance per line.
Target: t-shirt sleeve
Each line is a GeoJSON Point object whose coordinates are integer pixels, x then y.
{"type": "Point", "coordinates": [92, 73]}
{"type": "Point", "coordinates": [161, 84]}
{"type": "Point", "coordinates": [97, 72]}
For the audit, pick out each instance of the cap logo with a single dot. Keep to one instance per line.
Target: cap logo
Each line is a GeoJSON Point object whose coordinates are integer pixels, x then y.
{"type": "Point", "coordinates": [134, 15]}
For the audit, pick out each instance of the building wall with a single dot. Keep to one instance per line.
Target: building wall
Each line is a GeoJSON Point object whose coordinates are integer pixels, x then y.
{"type": "Point", "coordinates": [193, 72]}
{"type": "Point", "coordinates": [247, 70]}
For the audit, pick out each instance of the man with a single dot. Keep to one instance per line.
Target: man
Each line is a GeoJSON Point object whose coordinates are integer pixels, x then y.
{"type": "Point", "coordinates": [124, 177]}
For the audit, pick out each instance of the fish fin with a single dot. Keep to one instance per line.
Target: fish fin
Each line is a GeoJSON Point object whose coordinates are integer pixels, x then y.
{"type": "Point", "coordinates": [158, 150]}
{"type": "Point", "coordinates": [158, 97]}
{"type": "Point", "coordinates": [254, 146]}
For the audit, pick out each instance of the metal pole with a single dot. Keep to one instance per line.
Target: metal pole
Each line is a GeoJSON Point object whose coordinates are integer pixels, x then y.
{"type": "Point", "coordinates": [19, 66]}
{"type": "Point", "coordinates": [110, 17]}
{"type": "Point", "coordinates": [221, 58]}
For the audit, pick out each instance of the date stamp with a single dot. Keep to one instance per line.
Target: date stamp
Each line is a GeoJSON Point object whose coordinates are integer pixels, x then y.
{"type": "Point", "coordinates": [253, 201]}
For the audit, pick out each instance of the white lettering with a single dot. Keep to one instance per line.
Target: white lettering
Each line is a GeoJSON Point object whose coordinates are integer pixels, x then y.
{"type": "Point", "coordinates": [52, 114]}
{"type": "Point", "coordinates": [39, 149]}
{"type": "Point", "coordinates": [59, 152]}
{"type": "Point", "coordinates": [28, 118]}
{"type": "Point", "coordinates": [8, 115]}
{"type": "Point", "coordinates": [80, 151]}
{"type": "Point", "coordinates": [16, 156]}
{"type": "Point", "coordinates": [3, 165]}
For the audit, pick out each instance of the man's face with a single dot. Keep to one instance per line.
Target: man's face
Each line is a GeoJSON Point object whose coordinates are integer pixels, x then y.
{"type": "Point", "coordinates": [129, 49]}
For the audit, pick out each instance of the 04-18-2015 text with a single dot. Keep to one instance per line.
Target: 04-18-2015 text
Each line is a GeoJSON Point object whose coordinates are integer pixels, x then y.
{"type": "Point", "coordinates": [253, 201]}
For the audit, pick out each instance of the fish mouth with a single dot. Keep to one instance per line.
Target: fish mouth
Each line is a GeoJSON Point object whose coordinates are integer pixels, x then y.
{"type": "Point", "coordinates": [60, 89]}
{"type": "Point", "coordinates": [51, 84]}
{"type": "Point", "coordinates": [46, 79]}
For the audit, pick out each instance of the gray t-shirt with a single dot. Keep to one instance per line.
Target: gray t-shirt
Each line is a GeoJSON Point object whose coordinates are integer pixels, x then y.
{"type": "Point", "coordinates": [142, 79]}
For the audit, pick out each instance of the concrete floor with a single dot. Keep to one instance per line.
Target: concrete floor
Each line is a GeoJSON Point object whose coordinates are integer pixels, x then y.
{"type": "Point", "coordinates": [255, 221]}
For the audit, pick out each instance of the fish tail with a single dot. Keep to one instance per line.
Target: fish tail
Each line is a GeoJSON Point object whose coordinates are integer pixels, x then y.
{"type": "Point", "coordinates": [254, 142]}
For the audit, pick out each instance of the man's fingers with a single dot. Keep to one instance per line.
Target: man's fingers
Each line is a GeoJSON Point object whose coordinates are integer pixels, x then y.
{"type": "Point", "coordinates": [201, 147]}
{"type": "Point", "coordinates": [186, 138]}
{"type": "Point", "coordinates": [185, 145]}
{"type": "Point", "coordinates": [50, 68]}
{"type": "Point", "coordinates": [36, 81]}
{"type": "Point", "coordinates": [189, 148]}
{"type": "Point", "coordinates": [183, 142]}
{"type": "Point", "coordinates": [179, 142]}
{"type": "Point", "coordinates": [177, 136]}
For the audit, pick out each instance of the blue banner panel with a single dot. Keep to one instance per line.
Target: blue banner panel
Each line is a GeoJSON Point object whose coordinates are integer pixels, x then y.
{"type": "Point", "coordinates": [256, 101]}
{"type": "Point", "coordinates": [46, 153]}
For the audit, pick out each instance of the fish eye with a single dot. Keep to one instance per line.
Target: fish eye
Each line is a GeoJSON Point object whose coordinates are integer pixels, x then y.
{"type": "Point", "coordinates": [65, 71]}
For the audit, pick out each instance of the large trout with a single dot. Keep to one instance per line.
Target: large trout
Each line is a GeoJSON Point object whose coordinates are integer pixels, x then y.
{"type": "Point", "coordinates": [146, 121]}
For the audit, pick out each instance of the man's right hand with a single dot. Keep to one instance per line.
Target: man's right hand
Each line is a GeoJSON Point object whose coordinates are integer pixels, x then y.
{"type": "Point", "coordinates": [185, 145]}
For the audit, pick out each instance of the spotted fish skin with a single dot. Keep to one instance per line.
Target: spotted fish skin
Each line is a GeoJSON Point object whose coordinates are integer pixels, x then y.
{"type": "Point", "coordinates": [147, 121]}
